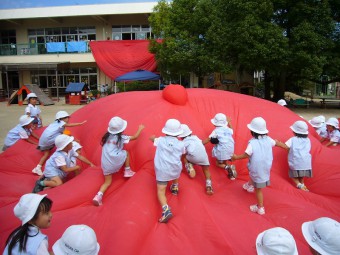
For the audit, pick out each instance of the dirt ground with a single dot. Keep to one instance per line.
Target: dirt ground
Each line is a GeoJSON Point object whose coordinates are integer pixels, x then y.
{"type": "Point", "coordinates": [9, 115]}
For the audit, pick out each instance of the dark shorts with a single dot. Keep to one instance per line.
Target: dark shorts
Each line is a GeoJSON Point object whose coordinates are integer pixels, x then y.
{"type": "Point", "coordinates": [260, 185]}
{"type": "Point", "coordinates": [162, 182]}
{"type": "Point", "coordinates": [300, 173]}
{"type": "Point", "coordinates": [45, 148]}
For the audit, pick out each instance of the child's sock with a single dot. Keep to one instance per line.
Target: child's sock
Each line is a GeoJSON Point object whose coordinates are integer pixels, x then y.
{"type": "Point", "coordinates": [100, 193]}
{"type": "Point", "coordinates": [41, 183]}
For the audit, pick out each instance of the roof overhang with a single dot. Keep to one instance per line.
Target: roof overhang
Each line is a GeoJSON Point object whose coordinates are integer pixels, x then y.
{"type": "Point", "coordinates": [34, 66]}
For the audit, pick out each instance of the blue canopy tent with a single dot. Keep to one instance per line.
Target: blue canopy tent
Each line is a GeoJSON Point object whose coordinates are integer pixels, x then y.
{"type": "Point", "coordinates": [137, 75]}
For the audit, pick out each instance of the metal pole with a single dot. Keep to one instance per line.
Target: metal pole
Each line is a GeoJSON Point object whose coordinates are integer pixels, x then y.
{"type": "Point", "coordinates": [7, 84]}
{"type": "Point", "coordinates": [57, 83]}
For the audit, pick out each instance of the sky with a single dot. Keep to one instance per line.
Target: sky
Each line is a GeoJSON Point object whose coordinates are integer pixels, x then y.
{"type": "Point", "coordinates": [14, 4]}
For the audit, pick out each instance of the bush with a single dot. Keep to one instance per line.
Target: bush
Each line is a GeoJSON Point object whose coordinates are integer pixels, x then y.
{"type": "Point", "coordinates": [138, 86]}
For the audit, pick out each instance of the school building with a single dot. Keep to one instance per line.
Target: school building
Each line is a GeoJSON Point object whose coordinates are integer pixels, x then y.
{"type": "Point", "coordinates": [53, 46]}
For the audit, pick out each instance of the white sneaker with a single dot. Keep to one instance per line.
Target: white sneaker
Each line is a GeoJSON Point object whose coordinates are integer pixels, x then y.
{"type": "Point", "coordinates": [248, 187]}
{"type": "Point", "coordinates": [256, 209]}
{"type": "Point", "coordinates": [37, 170]}
{"type": "Point", "coordinates": [190, 169]}
{"type": "Point", "coordinates": [129, 173]}
{"type": "Point", "coordinates": [97, 200]}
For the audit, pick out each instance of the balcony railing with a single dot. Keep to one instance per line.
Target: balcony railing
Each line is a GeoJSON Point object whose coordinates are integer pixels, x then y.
{"type": "Point", "coordinates": [45, 48]}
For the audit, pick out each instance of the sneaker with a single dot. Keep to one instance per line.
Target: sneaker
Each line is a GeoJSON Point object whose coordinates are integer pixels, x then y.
{"type": "Point", "coordinates": [190, 169]}
{"type": "Point", "coordinates": [248, 187]}
{"type": "Point", "coordinates": [174, 189]}
{"type": "Point", "coordinates": [166, 215]}
{"type": "Point", "coordinates": [37, 170]}
{"type": "Point", "coordinates": [302, 187]}
{"type": "Point", "coordinates": [97, 200]}
{"type": "Point", "coordinates": [232, 174]}
{"type": "Point", "coordinates": [256, 209]}
{"type": "Point", "coordinates": [37, 187]}
{"type": "Point", "coordinates": [128, 173]}
{"type": "Point", "coordinates": [208, 187]}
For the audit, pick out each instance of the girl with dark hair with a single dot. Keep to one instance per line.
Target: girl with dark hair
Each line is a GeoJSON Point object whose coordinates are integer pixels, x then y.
{"type": "Point", "coordinates": [34, 211]}
{"type": "Point", "coordinates": [113, 154]}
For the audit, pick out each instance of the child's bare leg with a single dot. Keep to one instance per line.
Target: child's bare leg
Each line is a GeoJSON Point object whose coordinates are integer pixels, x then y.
{"type": "Point", "coordinates": [127, 160]}
{"type": "Point", "coordinates": [296, 181]}
{"type": "Point", "coordinates": [206, 172]}
{"type": "Point", "coordinates": [44, 157]}
{"type": "Point", "coordinates": [259, 197]}
{"type": "Point", "coordinates": [208, 183]}
{"type": "Point", "coordinates": [106, 184]}
{"type": "Point", "coordinates": [161, 188]}
{"type": "Point", "coordinates": [53, 182]}
{"type": "Point", "coordinates": [127, 171]}
{"type": "Point", "coordinates": [221, 163]}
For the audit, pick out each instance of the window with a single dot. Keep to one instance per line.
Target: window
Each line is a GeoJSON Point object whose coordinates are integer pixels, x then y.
{"type": "Point", "coordinates": [131, 32]}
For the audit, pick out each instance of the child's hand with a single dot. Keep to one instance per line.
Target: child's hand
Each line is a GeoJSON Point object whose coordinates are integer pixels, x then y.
{"type": "Point", "coordinates": [233, 157]}
{"type": "Point", "coordinates": [141, 127]}
{"type": "Point", "coordinates": [152, 138]}
{"type": "Point", "coordinates": [228, 119]}
{"type": "Point", "coordinates": [92, 165]}
{"type": "Point", "coordinates": [83, 122]}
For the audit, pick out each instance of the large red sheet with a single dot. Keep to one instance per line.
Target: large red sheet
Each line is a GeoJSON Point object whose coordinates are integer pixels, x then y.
{"type": "Point", "coordinates": [219, 224]}
{"type": "Point", "coordinates": [116, 58]}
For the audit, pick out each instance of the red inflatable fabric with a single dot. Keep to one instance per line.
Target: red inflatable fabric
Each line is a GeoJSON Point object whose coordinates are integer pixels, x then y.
{"type": "Point", "coordinates": [127, 222]}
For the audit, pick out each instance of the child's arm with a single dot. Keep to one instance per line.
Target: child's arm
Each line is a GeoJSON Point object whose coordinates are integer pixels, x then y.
{"type": "Point", "coordinates": [322, 139]}
{"type": "Point", "coordinates": [241, 156]}
{"type": "Point", "coordinates": [69, 169]}
{"type": "Point", "coordinates": [205, 141]}
{"type": "Point", "coordinates": [281, 144]}
{"type": "Point", "coordinates": [31, 141]}
{"type": "Point", "coordinates": [152, 138]}
{"type": "Point", "coordinates": [135, 136]}
{"type": "Point", "coordinates": [35, 135]}
{"type": "Point", "coordinates": [75, 124]}
{"type": "Point", "coordinates": [229, 122]}
{"type": "Point", "coordinates": [330, 143]}
{"type": "Point", "coordinates": [82, 158]}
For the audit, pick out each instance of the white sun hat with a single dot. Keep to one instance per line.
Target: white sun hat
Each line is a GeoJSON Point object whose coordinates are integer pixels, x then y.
{"type": "Point", "coordinates": [323, 235]}
{"type": "Point", "coordinates": [25, 120]}
{"type": "Point", "coordinates": [61, 141]}
{"type": "Point", "coordinates": [276, 241]}
{"type": "Point", "coordinates": [258, 125]}
{"type": "Point", "coordinates": [27, 206]}
{"type": "Point", "coordinates": [219, 120]}
{"type": "Point", "coordinates": [186, 131]}
{"type": "Point", "coordinates": [282, 102]}
{"type": "Point", "coordinates": [333, 122]}
{"type": "Point", "coordinates": [78, 240]}
{"type": "Point", "coordinates": [323, 119]}
{"type": "Point", "coordinates": [316, 122]}
{"type": "Point", "coordinates": [300, 127]}
{"type": "Point", "coordinates": [30, 95]}
{"type": "Point", "coordinates": [116, 125]}
{"type": "Point", "coordinates": [61, 115]}
{"type": "Point", "coordinates": [172, 127]}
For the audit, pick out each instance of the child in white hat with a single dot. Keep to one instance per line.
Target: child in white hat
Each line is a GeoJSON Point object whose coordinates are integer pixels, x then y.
{"type": "Point", "coordinates": [113, 154]}
{"type": "Point", "coordinates": [319, 125]}
{"type": "Point", "coordinates": [32, 109]}
{"type": "Point", "coordinates": [77, 240]}
{"type": "Point", "coordinates": [46, 141]}
{"type": "Point", "coordinates": [276, 241]}
{"type": "Point", "coordinates": [34, 212]}
{"type": "Point", "coordinates": [260, 154]}
{"type": "Point", "coordinates": [222, 138]}
{"type": "Point", "coordinates": [21, 131]}
{"type": "Point", "coordinates": [197, 155]}
{"type": "Point", "coordinates": [168, 164]}
{"type": "Point", "coordinates": [299, 156]}
{"type": "Point", "coordinates": [58, 165]}
{"type": "Point", "coordinates": [323, 236]}
{"type": "Point", "coordinates": [333, 133]}
{"type": "Point", "coordinates": [282, 102]}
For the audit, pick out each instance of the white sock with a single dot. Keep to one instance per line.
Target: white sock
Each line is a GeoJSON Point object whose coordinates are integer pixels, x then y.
{"type": "Point", "coordinates": [100, 193]}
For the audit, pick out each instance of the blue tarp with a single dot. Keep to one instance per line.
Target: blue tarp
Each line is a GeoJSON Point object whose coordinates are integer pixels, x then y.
{"type": "Point", "coordinates": [55, 47]}
{"type": "Point", "coordinates": [75, 87]}
{"type": "Point", "coordinates": [138, 75]}
{"type": "Point", "coordinates": [76, 46]}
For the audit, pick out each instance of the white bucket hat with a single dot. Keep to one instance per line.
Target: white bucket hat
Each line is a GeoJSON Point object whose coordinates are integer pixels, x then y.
{"type": "Point", "coordinates": [333, 122]}
{"type": "Point", "coordinates": [25, 120]}
{"type": "Point", "coordinates": [300, 127]}
{"type": "Point", "coordinates": [61, 141]}
{"type": "Point", "coordinates": [282, 102]}
{"type": "Point", "coordinates": [258, 125]}
{"type": "Point", "coordinates": [323, 235]}
{"type": "Point", "coordinates": [116, 125]}
{"type": "Point", "coordinates": [172, 127]}
{"type": "Point", "coordinates": [61, 115]}
{"type": "Point", "coordinates": [30, 95]}
{"type": "Point", "coordinates": [316, 122]}
{"type": "Point", "coordinates": [219, 120]}
{"type": "Point", "coordinates": [76, 146]}
{"type": "Point", "coordinates": [27, 206]}
{"type": "Point", "coordinates": [323, 119]}
{"type": "Point", "coordinates": [186, 131]}
{"type": "Point", "coordinates": [276, 241]}
{"type": "Point", "coordinates": [78, 240]}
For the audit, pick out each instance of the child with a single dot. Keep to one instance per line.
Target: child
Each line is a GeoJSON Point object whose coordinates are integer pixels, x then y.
{"type": "Point", "coordinates": [77, 239]}
{"type": "Point", "coordinates": [75, 153]}
{"type": "Point", "coordinates": [34, 211]}
{"type": "Point", "coordinates": [299, 157]}
{"type": "Point", "coordinates": [260, 154]}
{"type": "Point", "coordinates": [333, 133]}
{"type": "Point", "coordinates": [282, 102]}
{"type": "Point", "coordinates": [322, 235]}
{"type": "Point", "coordinates": [113, 155]}
{"type": "Point", "coordinates": [319, 125]}
{"type": "Point", "coordinates": [168, 164]}
{"type": "Point", "coordinates": [21, 131]}
{"type": "Point", "coordinates": [46, 141]}
{"type": "Point", "coordinates": [58, 165]}
{"type": "Point", "coordinates": [196, 154]}
{"type": "Point", "coordinates": [32, 109]}
{"type": "Point", "coordinates": [276, 241]}
{"type": "Point", "coordinates": [222, 138]}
